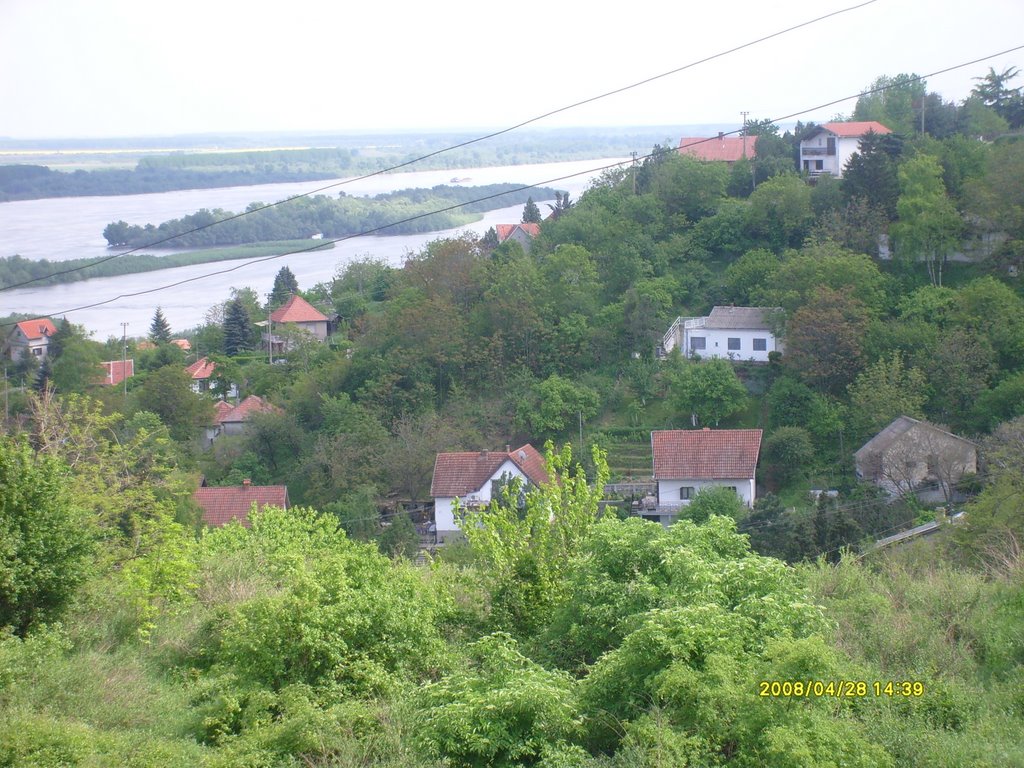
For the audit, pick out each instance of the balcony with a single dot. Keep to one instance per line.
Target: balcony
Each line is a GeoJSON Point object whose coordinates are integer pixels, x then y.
{"type": "Point", "coordinates": [816, 152]}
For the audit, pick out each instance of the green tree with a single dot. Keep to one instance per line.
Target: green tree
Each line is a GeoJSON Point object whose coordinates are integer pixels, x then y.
{"type": "Point", "coordinates": [872, 173]}
{"type": "Point", "coordinates": [237, 328]}
{"type": "Point", "coordinates": [159, 329]}
{"type": "Point", "coordinates": [285, 285]}
{"type": "Point", "coordinates": [929, 226]}
{"type": "Point", "coordinates": [708, 391]}
{"type": "Point", "coordinates": [553, 405]}
{"type": "Point", "coordinates": [892, 101]}
{"type": "Point", "coordinates": [531, 213]}
{"type": "Point", "coordinates": [399, 539]}
{"type": "Point", "coordinates": [788, 453]}
{"type": "Point", "coordinates": [1007, 102]}
{"type": "Point", "coordinates": [167, 392]}
{"type": "Point", "coordinates": [884, 390]}
{"type": "Point", "coordinates": [723, 502]}
{"type": "Point", "coordinates": [78, 368]}
{"type": "Point", "coordinates": [45, 540]}
{"type": "Point", "coordinates": [824, 340]}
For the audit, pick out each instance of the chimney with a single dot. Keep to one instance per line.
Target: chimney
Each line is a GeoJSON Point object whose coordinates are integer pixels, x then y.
{"type": "Point", "coordinates": [508, 448]}
{"type": "Point", "coordinates": [247, 482]}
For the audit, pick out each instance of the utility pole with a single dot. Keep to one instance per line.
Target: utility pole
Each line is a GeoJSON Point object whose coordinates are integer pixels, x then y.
{"type": "Point", "coordinates": [270, 332]}
{"type": "Point", "coordinates": [7, 414]}
{"type": "Point", "coordinates": [633, 153]}
{"type": "Point", "coordinates": [744, 132]}
{"type": "Point", "coordinates": [124, 358]}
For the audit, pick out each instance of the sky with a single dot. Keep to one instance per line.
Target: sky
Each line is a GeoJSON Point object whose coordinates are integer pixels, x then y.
{"type": "Point", "coordinates": [119, 68]}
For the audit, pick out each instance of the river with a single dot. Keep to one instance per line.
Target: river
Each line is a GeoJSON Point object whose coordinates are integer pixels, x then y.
{"type": "Point", "coordinates": [69, 228]}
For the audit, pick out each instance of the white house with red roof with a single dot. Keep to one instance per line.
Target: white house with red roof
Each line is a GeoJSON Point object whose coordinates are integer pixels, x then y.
{"type": "Point", "coordinates": [201, 372]}
{"type": "Point", "coordinates": [474, 477]}
{"type": "Point", "coordinates": [720, 149]}
{"type": "Point", "coordinates": [235, 421]}
{"type": "Point", "coordinates": [299, 312]}
{"type": "Point", "coordinates": [687, 461]}
{"type": "Point", "coordinates": [235, 502]}
{"type": "Point", "coordinates": [829, 148]}
{"type": "Point", "coordinates": [30, 337]}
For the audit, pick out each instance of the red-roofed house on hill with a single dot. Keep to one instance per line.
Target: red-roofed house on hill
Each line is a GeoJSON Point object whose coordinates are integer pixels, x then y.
{"type": "Point", "coordinates": [235, 502]}
{"type": "Point", "coordinates": [29, 337]}
{"type": "Point", "coordinates": [473, 477]}
{"type": "Point", "coordinates": [235, 421]}
{"type": "Point", "coordinates": [723, 149]}
{"type": "Point", "coordinates": [201, 372]}
{"type": "Point", "coordinates": [687, 461]}
{"type": "Point", "coordinates": [301, 313]}
{"type": "Point", "coordinates": [830, 146]}
{"type": "Point", "coordinates": [116, 371]}
{"type": "Point", "coordinates": [522, 233]}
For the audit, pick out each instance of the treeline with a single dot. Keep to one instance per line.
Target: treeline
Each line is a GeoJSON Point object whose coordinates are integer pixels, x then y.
{"type": "Point", "coordinates": [17, 269]}
{"type": "Point", "coordinates": [404, 212]}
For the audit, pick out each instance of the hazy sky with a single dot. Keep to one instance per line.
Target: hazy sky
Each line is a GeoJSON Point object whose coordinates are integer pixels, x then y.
{"type": "Point", "coordinates": [139, 67]}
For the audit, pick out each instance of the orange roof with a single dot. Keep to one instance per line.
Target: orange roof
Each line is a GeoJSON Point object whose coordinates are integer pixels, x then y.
{"type": "Point", "coordinates": [245, 409]}
{"type": "Point", "coordinates": [297, 310]}
{"type": "Point", "coordinates": [854, 130]}
{"type": "Point", "coordinates": [726, 149]}
{"type": "Point", "coordinates": [221, 409]}
{"type": "Point", "coordinates": [185, 344]}
{"type": "Point", "coordinates": [202, 368]}
{"type": "Point", "coordinates": [456, 474]}
{"type": "Point", "coordinates": [38, 328]}
{"type": "Point", "coordinates": [505, 231]}
{"type": "Point", "coordinates": [711, 454]}
{"type": "Point", "coordinates": [222, 505]}
{"type": "Point", "coordinates": [116, 371]}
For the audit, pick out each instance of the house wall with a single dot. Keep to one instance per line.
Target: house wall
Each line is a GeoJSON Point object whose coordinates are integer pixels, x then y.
{"type": "Point", "coordinates": [318, 329]}
{"type": "Point", "coordinates": [717, 343]}
{"type": "Point", "coordinates": [668, 490]}
{"type": "Point", "coordinates": [833, 164]}
{"type": "Point", "coordinates": [19, 346]}
{"type": "Point", "coordinates": [444, 519]}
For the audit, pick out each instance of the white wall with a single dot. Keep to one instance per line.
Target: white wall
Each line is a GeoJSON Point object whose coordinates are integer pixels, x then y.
{"type": "Point", "coordinates": [444, 518]}
{"type": "Point", "coordinates": [717, 344]}
{"type": "Point", "coordinates": [668, 490]}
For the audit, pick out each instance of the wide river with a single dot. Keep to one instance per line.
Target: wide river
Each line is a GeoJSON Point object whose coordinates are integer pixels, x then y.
{"type": "Point", "coordinates": [72, 227]}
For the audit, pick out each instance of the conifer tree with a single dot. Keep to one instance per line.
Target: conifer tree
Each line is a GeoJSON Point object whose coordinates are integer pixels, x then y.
{"type": "Point", "coordinates": [160, 329]}
{"type": "Point", "coordinates": [531, 213]}
{"type": "Point", "coordinates": [237, 328]}
{"type": "Point", "coordinates": [285, 285]}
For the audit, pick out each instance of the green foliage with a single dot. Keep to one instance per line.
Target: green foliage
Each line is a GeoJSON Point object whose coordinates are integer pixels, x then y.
{"type": "Point", "coordinates": [400, 538]}
{"type": "Point", "coordinates": [285, 286]}
{"type": "Point", "coordinates": [501, 709]}
{"type": "Point", "coordinates": [159, 329]}
{"type": "Point", "coordinates": [709, 391]}
{"type": "Point", "coordinates": [553, 405]}
{"type": "Point", "coordinates": [884, 390]}
{"type": "Point", "coordinates": [710, 501]}
{"type": "Point", "coordinates": [929, 226]}
{"type": "Point", "coordinates": [531, 213]}
{"type": "Point", "coordinates": [45, 539]}
{"type": "Point", "coordinates": [238, 334]}
{"type": "Point", "coordinates": [167, 392]}
{"type": "Point", "coordinates": [788, 453]}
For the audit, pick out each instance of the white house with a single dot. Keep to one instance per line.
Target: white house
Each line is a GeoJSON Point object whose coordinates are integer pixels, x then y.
{"type": "Point", "coordinates": [735, 333]}
{"type": "Point", "coordinates": [687, 461]}
{"type": "Point", "coordinates": [474, 477]}
{"type": "Point", "coordinates": [303, 315]}
{"type": "Point", "coordinates": [201, 373]}
{"type": "Point", "coordinates": [30, 337]}
{"type": "Point", "coordinates": [829, 148]}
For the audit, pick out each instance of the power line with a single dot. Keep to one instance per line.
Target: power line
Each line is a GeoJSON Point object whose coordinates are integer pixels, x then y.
{"type": "Point", "coordinates": [461, 145]}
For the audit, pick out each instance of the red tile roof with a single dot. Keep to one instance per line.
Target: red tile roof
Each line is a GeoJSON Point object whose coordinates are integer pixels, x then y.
{"type": "Point", "coordinates": [202, 368]}
{"type": "Point", "coordinates": [221, 409]}
{"type": "Point", "coordinates": [245, 409]}
{"type": "Point", "coordinates": [505, 230]}
{"type": "Point", "coordinates": [456, 474]}
{"type": "Point", "coordinates": [855, 130]}
{"type": "Point", "coordinates": [36, 329]}
{"type": "Point", "coordinates": [185, 344]}
{"type": "Point", "coordinates": [711, 454]}
{"type": "Point", "coordinates": [727, 149]}
{"type": "Point", "coordinates": [116, 371]}
{"type": "Point", "coordinates": [297, 310]}
{"type": "Point", "coordinates": [222, 505]}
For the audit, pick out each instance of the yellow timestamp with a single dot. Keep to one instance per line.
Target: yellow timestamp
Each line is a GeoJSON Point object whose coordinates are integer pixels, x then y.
{"type": "Point", "coordinates": [839, 689]}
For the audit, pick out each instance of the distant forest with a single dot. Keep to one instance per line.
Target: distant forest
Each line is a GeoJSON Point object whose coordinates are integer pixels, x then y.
{"type": "Point", "coordinates": [350, 157]}
{"type": "Point", "coordinates": [406, 211]}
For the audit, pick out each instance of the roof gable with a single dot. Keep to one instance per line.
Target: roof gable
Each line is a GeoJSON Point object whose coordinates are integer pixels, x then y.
{"type": "Point", "coordinates": [727, 149]}
{"type": "Point", "coordinates": [36, 329]}
{"type": "Point", "coordinates": [457, 474]}
{"type": "Point", "coordinates": [203, 368]}
{"type": "Point", "coordinates": [712, 454]}
{"type": "Point", "coordinates": [223, 504]}
{"type": "Point", "coordinates": [244, 410]}
{"type": "Point", "coordinates": [297, 310]}
{"type": "Point", "coordinates": [897, 429]}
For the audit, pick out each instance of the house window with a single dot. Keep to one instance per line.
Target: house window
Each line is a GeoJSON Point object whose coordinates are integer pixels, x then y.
{"type": "Point", "coordinates": [686, 493]}
{"type": "Point", "coordinates": [732, 488]}
{"type": "Point", "coordinates": [698, 342]}
{"type": "Point", "coordinates": [819, 165]}
{"type": "Point", "coordinates": [760, 345]}
{"type": "Point", "coordinates": [830, 147]}
{"type": "Point", "coordinates": [734, 344]}
{"type": "Point", "coordinates": [38, 351]}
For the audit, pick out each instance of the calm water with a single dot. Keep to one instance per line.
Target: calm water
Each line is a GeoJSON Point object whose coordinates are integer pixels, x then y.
{"type": "Point", "coordinates": [70, 228]}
